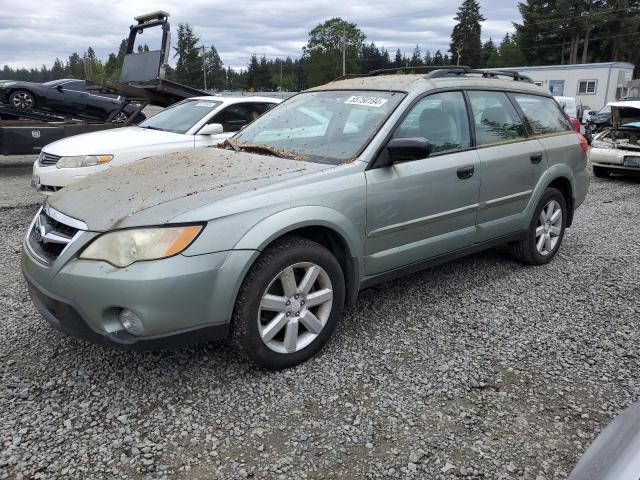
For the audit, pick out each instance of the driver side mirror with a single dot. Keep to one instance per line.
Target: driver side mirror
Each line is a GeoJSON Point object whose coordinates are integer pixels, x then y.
{"type": "Point", "coordinates": [211, 129]}
{"type": "Point", "coordinates": [407, 149]}
{"type": "Point", "coordinates": [59, 88]}
{"type": "Point", "coordinates": [592, 112]}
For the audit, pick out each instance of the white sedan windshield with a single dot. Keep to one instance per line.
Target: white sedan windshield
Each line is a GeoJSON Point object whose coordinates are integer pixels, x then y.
{"type": "Point", "coordinates": [325, 126]}
{"type": "Point", "coordinates": [180, 117]}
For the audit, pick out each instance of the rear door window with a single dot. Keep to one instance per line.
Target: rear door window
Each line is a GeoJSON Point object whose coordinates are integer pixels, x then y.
{"type": "Point", "coordinates": [495, 119]}
{"type": "Point", "coordinates": [543, 114]}
{"type": "Point", "coordinates": [234, 117]}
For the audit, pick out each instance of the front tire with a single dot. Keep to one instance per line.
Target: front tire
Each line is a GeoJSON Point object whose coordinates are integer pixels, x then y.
{"type": "Point", "coordinates": [601, 172]}
{"type": "Point", "coordinates": [545, 232]}
{"type": "Point", "coordinates": [289, 303]}
{"type": "Point", "coordinates": [22, 100]}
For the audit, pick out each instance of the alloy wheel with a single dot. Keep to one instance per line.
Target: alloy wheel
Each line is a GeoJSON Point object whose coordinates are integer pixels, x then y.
{"type": "Point", "coordinates": [549, 227]}
{"type": "Point", "coordinates": [22, 100]}
{"type": "Point", "coordinates": [121, 117]}
{"type": "Point", "coordinates": [295, 307]}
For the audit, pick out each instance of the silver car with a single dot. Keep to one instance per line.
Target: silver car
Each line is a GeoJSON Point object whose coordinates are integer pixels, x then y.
{"type": "Point", "coordinates": [268, 236]}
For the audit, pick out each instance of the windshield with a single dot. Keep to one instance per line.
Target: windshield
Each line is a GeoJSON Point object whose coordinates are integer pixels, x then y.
{"type": "Point", "coordinates": [605, 109]}
{"type": "Point", "coordinates": [180, 117]}
{"type": "Point", "coordinates": [325, 126]}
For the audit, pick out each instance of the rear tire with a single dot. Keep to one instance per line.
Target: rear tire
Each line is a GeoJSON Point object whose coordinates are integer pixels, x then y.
{"type": "Point", "coordinates": [546, 230]}
{"type": "Point", "coordinates": [289, 303]}
{"type": "Point", "coordinates": [601, 172]}
{"type": "Point", "coordinates": [22, 100]}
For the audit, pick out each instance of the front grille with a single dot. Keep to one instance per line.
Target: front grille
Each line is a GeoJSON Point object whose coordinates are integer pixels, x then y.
{"type": "Point", "coordinates": [48, 237]}
{"type": "Point", "coordinates": [46, 159]}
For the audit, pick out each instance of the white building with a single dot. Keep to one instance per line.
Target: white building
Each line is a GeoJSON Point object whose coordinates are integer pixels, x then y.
{"type": "Point", "coordinates": [592, 84]}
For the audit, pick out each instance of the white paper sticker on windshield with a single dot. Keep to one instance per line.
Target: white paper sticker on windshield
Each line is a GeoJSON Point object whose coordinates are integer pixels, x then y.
{"type": "Point", "coordinates": [376, 102]}
{"type": "Point", "coordinates": [206, 104]}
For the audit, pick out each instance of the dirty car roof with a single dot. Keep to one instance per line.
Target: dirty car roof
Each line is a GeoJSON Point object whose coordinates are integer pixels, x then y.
{"type": "Point", "coordinates": [419, 82]}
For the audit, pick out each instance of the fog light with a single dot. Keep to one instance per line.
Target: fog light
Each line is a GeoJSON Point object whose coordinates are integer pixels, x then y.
{"type": "Point", "coordinates": [131, 322]}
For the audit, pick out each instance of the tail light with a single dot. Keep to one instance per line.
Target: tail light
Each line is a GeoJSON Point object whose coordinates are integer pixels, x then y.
{"type": "Point", "coordinates": [576, 124]}
{"type": "Point", "coordinates": [583, 143]}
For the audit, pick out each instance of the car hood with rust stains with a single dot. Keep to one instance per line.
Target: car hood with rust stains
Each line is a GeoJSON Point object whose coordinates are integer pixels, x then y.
{"type": "Point", "coordinates": [156, 190]}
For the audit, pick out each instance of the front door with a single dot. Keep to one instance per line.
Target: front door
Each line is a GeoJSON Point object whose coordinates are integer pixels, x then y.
{"type": "Point", "coordinates": [424, 208]}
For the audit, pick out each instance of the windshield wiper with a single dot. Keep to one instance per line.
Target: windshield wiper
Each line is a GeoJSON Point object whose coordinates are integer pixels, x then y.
{"type": "Point", "coordinates": [229, 143]}
{"type": "Point", "coordinates": [149, 127]}
{"type": "Point", "coordinates": [268, 150]}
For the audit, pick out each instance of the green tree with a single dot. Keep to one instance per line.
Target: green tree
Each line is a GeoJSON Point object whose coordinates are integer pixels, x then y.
{"type": "Point", "coordinates": [215, 69]}
{"type": "Point", "coordinates": [323, 52]}
{"type": "Point", "coordinates": [75, 66]}
{"type": "Point", "coordinates": [466, 46]}
{"type": "Point", "coordinates": [428, 59]}
{"type": "Point", "coordinates": [508, 54]}
{"type": "Point", "coordinates": [438, 59]}
{"type": "Point", "coordinates": [189, 64]}
{"type": "Point", "coordinates": [416, 57]}
{"type": "Point", "coordinates": [57, 70]}
{"type": "Point", "coordinates": [488, 49]}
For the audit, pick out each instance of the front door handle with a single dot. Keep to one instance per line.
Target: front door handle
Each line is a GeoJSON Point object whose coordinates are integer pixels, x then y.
{"type": "Point", "coordinates": [466, 172]}
{"type": "Point", "coordinates": [536, 158]}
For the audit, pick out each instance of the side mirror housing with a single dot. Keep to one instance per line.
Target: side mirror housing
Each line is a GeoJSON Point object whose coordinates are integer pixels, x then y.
{"type": "Point", "coordinates": [592, 112]}
{"type": "Point", "coordinates": [59, 88]}
{"type": "Point", "coordinates": [211, 129]}
{"type": "Point", "coordinates": [407, 149]}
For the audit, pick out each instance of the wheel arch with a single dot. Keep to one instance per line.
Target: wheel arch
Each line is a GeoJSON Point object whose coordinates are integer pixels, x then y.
{"type": "Point", "coordinates": [325, 226]}
{"type": "Point", "coordinates": [563, 184]}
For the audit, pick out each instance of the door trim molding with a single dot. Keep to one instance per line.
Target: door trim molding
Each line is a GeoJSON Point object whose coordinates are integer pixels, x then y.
{"type": "Point", "coordinates": [422, 220]}
{"type": "Point", "coordinates": [372, 280]}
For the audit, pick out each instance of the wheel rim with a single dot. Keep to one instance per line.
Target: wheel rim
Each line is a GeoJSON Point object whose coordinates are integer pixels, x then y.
{"type": "Point", "coordinates": [549, 227]}
{"type": "Point", "coordinates": [295, 307]}
{"type": "Point", "coordinates": [22, 100]}
{"type": "Point", "coordinates": [120, 118]}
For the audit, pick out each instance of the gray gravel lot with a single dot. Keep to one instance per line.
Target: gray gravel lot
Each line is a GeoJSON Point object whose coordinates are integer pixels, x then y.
{"type": "Point", "coordinates": [480, 368]}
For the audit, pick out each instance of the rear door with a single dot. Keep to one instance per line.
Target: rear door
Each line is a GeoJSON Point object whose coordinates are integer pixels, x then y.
{"type": "Point", "coordinates": [424, 208]}
{"type": "Point", "coordinates": [510, 163]}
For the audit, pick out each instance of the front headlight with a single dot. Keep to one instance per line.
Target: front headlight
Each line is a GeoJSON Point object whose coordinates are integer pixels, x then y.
{"type": "Point", "coordinates": [600, 144]}
{"type": "Point", "coordinates": [83, 161]}
{"type": "Point", "coordinates": [124, 247]}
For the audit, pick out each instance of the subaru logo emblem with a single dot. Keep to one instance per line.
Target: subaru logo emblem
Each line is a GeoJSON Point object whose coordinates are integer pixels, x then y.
{"type": "Point", "coordinates": [35, 133]}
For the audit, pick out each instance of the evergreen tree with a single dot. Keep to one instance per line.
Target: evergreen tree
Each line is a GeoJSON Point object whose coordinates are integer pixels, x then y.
{"type": "Point", "coordinates": [466, 46]}
{"type": "Point", "coordinates": [438, 59]}
{"type": "Point", "coordinates": [189, 64]}
{"type": "Point", "coordinates": [57, 71]}
{"type": "Point", "coordinates": [215, 70]}
{"type": "Point", "coordinates": [398, 60]}
{"type": "Point", "coordinates": [416, 57]}
{"type": "Point", "coordinates": [428, 59]}
{"type": "Point", "coordinates": [488, 49]}
{"type": "Point", "coordinates": [75, 66]}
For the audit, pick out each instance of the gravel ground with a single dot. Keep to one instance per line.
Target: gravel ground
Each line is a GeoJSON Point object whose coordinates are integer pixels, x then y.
{"type": "Point", "coordinates": [480, 369]}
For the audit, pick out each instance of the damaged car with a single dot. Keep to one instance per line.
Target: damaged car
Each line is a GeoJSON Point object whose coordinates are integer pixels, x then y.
{"type": "Point", "coordinates": [267, 236]}
{"type": "Point", "coordinates": [617, 149]}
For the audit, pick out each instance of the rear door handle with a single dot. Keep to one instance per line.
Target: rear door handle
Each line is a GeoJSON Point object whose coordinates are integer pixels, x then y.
{"type": "Point", "coordinates": [536, 158]}
{"type": "Point", "coordinates": [466, 172]}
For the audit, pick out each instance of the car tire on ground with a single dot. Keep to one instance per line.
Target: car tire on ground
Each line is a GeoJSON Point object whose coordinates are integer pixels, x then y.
{"type": "Point", "coordinates": [601, 172]}
{"type": "Point", "coordinates": [545, 232]}
{"type": "Point", "coordinates": [22, 99]}
{"type": "Point", "coordinates": [289, 303]}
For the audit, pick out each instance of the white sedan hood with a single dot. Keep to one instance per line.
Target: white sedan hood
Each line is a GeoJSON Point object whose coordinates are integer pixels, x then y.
{"type": "Point", "coordinates": [112, 141]}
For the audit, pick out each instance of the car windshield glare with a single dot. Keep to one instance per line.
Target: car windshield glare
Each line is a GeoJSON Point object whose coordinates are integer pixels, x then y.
{"type": "Point", "coordinates": [330, 126]}
{"type": "Point", "coordinates": [180, 117]}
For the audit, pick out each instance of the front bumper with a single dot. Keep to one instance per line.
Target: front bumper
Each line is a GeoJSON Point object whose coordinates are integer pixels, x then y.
{"type": "Point", "coordinates": [179, 299]}
{"type": "Point", "coordinates": [613, 158]}
{"type": "Point", "coordinates": [48, 179]}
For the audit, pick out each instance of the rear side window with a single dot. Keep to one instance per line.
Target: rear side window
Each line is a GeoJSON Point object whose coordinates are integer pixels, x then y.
{"type": "Point", "coordinates": [543, 114]}
{"type": "Point", "coordinates": [495, 119]}
{"type": "Point", "coordinates": [442, 119]}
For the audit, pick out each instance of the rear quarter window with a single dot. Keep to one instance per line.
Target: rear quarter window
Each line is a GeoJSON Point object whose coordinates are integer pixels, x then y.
{"type": "Point", "coordinates": [543, 114]}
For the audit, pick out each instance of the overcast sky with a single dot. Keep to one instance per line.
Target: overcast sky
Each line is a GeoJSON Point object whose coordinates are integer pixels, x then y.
{"type": "Point", "coordinates": [34, 32]}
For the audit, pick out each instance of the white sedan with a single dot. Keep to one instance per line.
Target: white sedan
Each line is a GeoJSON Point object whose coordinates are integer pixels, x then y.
{"type": "Point", "coordinates": [192, 123]}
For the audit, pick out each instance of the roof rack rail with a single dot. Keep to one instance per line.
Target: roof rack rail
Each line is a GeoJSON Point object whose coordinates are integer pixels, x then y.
{"type": "Point", "coordinates": [440, 71]}
{"type": "Point", "coordinates": [459, 71]}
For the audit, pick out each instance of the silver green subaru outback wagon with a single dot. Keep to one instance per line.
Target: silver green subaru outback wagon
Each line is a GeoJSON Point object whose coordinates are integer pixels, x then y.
{"type": "Point", "coordinates": [266, 238]}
